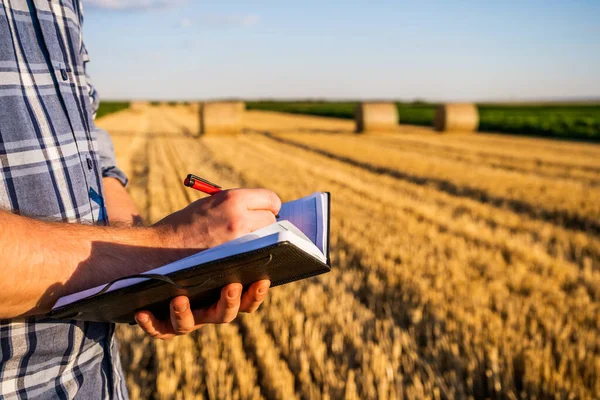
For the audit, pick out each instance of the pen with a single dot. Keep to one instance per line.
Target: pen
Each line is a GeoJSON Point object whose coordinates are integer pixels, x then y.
{"type": "Point", "coordinates": [195, 182]}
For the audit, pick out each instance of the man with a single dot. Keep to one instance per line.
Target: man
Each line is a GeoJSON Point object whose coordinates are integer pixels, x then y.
{"type": "Point", "coordinates": [56, 166]}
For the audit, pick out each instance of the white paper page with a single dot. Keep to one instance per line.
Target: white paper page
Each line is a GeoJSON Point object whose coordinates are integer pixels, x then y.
{"type": "Point", "coordinates": [309, 214]}
{"type": "Point", "coordinates": [323, 225]}
{"type": "Point", "coordinates": [303, 214]}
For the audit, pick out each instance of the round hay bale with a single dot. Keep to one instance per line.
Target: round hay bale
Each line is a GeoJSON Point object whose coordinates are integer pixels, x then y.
{"type": "Point", "coordinates": [459, 117]}
{"type": "Point", "coordinates": [194, 107]}
{"type": "Point", "coordinates": [221, 117]}
{"type": "Point", "coordinates": [138, 105]}
{"type": "Point", "coordinates": [241, 106]}
{"type": "Point", "coordinates": [370, 117]}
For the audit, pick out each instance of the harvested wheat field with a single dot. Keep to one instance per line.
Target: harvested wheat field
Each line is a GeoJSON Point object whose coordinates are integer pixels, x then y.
{"type": "Point", "coordinates": [465, 266]}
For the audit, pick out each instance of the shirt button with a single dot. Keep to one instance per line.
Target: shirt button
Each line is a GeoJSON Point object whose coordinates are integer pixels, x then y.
{"type": "Point", "coordinates": [89, 163]}
{"type": "Point", "coordinates": [63, 73]}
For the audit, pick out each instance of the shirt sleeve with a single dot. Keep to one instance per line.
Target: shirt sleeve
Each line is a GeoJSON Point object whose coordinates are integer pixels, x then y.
{"type": "Point", "coordinates": [106, 149]}
{"type": "Point", "coordinates": [108, 161]}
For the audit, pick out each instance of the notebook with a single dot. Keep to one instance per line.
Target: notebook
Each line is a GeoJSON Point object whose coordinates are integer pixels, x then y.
{"type": "Point", "coordinates": [295, 247]}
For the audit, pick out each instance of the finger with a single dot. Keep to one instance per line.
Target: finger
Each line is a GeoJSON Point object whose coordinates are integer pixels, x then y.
{"type": "Point", "coordinates": [262, 199]}
{"type": "Point", "coordinates": [259, 219]}
{"type": "Point", "coordinates": [182, 318]}
{"type": "Point", "coordinates": [154, 327]}
{"type": "Point", "coordinates": [254, 296]}
{"type": "Point", "coordinates": [226, 308]}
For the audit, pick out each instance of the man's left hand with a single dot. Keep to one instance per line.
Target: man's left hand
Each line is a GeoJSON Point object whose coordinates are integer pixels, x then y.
{"type": "Point", "coordinates": [184, 320]}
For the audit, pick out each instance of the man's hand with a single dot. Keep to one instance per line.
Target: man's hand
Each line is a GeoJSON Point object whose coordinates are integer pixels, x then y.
{"type": "Point", "coordinates": [204, 224]}
{"type": "Point", "coordinates": [185, 320]}
{"type": "Point", "coordinates": [220, 218]}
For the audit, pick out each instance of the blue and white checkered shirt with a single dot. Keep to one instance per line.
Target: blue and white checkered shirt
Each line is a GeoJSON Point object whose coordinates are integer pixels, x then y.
{"type": "Point", "coordinates": [52, 160]}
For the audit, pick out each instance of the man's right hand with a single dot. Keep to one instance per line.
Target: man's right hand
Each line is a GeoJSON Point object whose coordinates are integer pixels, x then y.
{"type": "Point", "coordinates": [220, 218]}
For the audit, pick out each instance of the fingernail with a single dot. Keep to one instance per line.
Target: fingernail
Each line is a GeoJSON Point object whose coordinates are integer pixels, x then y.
{"type": "Point", "coordinates": [233, 293]}
{"type": "Point", "coordinates": [262, 290]}
{"type": "Point", "coordinates": [180, 308]}
{"type": "Point", "coordinates": [143, 318]}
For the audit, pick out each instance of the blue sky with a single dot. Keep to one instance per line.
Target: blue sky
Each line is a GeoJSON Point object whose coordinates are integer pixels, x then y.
{"type": "Point", "coordinates": [434, 50]}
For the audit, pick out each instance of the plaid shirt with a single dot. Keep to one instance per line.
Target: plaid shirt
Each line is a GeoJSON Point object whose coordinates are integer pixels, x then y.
{"type": "Point", "coordinates": [52, 160]}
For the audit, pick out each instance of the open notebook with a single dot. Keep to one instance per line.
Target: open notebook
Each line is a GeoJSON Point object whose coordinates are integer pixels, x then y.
{"type": "Point", "coordinates": [293, 248]}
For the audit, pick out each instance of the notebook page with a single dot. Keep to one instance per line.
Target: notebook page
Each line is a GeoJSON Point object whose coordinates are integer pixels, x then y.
{"type": "Point", "coordinates": [303, 214]}
{"type": "Point", "coordinates": [309, 214]}
{"type": "Point", "coordinates": [323, 225]}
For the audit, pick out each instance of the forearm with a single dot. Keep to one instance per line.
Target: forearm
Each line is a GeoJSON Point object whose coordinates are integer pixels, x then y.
{"type": "Point", "coordinates": [43, 261]}
{"type": "Point", "coordinates": [119, 205]}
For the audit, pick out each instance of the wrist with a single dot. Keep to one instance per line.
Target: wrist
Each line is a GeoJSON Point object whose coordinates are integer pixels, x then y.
{"type": "Point", "coordinates": [165, 236]}
{"type": "Point", "coordinates": [178, 231]}
{"type": "Point", "coordinates": [168, 243]}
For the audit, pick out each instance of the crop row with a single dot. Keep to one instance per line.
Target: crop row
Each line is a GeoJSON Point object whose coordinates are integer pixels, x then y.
{"type": "Point", "coordinates": [564, 201]}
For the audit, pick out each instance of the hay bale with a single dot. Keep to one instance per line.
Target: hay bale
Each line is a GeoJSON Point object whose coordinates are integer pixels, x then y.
{"type": "Point", "coordinates": [138, 105]}
{"type": "Point", "coordinates": [241, 106]}
{"type": "Point", "coordinates": [221, 117]}
{"type": "Point", "coordinates": [459, 117]}
{"type": "Point", "coordinates": [371, 117]}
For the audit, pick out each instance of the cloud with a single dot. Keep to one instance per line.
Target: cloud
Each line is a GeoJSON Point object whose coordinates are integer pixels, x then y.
{"type": "Point", "coordinates": [133, 4]}
{"type": "Point", "coordinates": [246, 20]}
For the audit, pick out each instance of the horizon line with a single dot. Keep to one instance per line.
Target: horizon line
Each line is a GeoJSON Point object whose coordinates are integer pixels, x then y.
{"type": "Point", "coordinates": [591, 100]}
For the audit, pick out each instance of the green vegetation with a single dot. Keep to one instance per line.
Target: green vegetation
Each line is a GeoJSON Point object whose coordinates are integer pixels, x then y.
{"type": "Point", "coordinates": [559, 121]}
{"type": "Point", "coordinates": [322, 109]}
{"type": "Point", "coordinates": [109, 107]}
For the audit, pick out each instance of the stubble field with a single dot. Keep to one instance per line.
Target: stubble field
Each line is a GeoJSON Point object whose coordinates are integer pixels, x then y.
{"type": "Point", "coordinates": [464, 265]}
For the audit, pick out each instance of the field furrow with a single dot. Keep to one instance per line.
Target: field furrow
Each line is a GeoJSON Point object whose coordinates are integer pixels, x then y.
{"type": "Point", "coordinates": [514, 154]}
{"type": "Point", "coordinates": [564, 203]}
{"type": "Point", "coordinates": [526, 165]}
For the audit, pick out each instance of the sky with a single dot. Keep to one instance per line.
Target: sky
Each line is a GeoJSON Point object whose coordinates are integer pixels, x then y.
{"type": "Point", "coordinates": [353, 49]}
